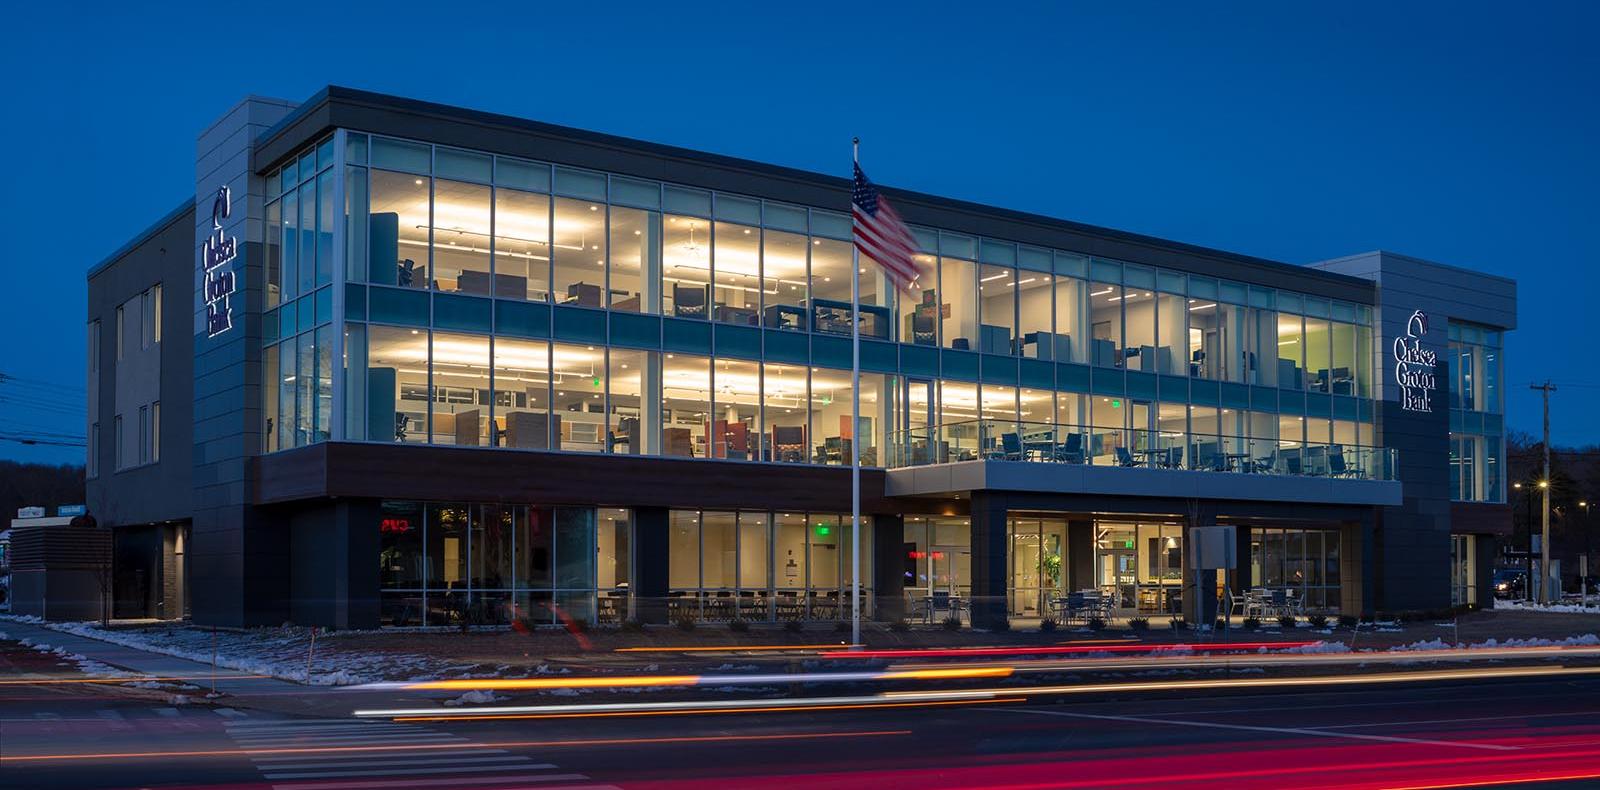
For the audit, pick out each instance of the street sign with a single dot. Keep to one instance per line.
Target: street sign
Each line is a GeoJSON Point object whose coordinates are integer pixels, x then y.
{"type": "Point", "coordinates": [71, 510]}
{"type": "Point", "coordinates": [1213, 548]}
{"type": "Point", "coordinates": [30, 512]}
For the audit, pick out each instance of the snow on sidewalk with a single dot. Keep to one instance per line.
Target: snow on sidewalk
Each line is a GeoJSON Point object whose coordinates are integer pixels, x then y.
{"type": "Point", "coordinates": [274, 652]}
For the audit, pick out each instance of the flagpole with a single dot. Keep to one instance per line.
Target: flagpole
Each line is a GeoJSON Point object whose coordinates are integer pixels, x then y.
{"type": "Point", "coordinates": [855, 426]}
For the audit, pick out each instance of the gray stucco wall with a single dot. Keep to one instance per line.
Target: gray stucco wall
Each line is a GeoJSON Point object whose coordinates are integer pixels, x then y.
{"type": "Point", "coordinates": [1412, 540]}
{"type": "Point", "coordinates": [158, 491]}
{"type": "Point", "coordinates": [238, 565]}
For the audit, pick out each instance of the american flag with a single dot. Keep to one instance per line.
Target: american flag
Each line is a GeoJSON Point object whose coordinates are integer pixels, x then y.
{"type": "Point", "coordinates": [879, 232]}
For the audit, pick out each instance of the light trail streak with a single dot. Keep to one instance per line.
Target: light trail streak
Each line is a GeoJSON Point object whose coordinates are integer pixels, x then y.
{"type": "Point", "coordinates": [1277, 659]}
{"type": "Point", "coordinates": [308, 750]}
{"type": "Point", "coordinates": [653, 681]}
{"type": "Point", "coordinates": [713, 711]}
{"type": "Point", "coordinates": [685, 705]}
{"type": "Point", "coordinates": [1044, 650]}
{"type": "Point", "coordinates": [731, 648]}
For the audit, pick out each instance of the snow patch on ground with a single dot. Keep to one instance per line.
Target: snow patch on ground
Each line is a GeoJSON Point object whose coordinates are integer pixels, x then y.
{"type": "Point", "coordinates": [1563, 608]}
{"type": "Point", "coordinates": [275, 652]}
{"type": "Point", "coordinates": [476, 698]}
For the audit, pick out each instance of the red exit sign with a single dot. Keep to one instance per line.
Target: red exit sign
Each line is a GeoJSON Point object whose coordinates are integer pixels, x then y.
{"type": "Point", "coordinates": [395, 525]}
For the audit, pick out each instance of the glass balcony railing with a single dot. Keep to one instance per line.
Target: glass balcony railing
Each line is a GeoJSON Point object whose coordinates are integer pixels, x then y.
{"type": "Point", "coordinates": [1005, 440]}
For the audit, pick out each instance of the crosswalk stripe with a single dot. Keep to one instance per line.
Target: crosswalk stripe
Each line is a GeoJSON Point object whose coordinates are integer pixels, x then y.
{"type": "Point", "coordinates": [318, 733]}
{"type": "Point", "coordinates": [415, 771]}
{"type": "Point", "coordinates": [170, 713]}
{"type": "Point", "coordinates": [228, 712]}
{"type": "Point", "coordinates": [462, 782]}
{"type": "Point", "coordinates": [424, 762]}
{"type": "Point", "coordinates": [350, 741]}
{"type": "Point", "coordinates": [362, 755]}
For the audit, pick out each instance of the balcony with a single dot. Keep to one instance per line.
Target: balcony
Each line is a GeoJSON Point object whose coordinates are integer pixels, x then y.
{"type": "Point", "coordinates": [1049, 457]}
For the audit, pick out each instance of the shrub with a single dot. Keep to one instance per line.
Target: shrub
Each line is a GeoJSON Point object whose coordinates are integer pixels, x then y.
{"type": "Point", "coordinates": [952, 623]}
{"type": "Point", "coordinates": [687, 624]}
{"type": "Point", "coordinates": [1097, 624]}
{"type": "Point", "coordinates": [1287, 620]}
{"type": "Point", "coordinates": [1317, 620]}
{"type": "Point", "coordinates": [1048, 624]}
{"type": "Point", "coordinates": [1000, 626]}
{"type": "Point", "coordinates": [738, 626]}
{"type": "Point", "coordinates": [1348, 621]}
{"type": "Point", "coordinates": [1179, 624]}
{"type": "Point", "coordinates": [900, 626]}
{"type": "Point", "coordinates": [1139, 624]}
{"type": "Point", "coordinates": [1252, 623]}
{"type": "Point", "coordinates": [1219, 624]}
{"type": "Point", "coordinates": [793, 626]}
{"type": "Point", "coordinates": [633, 626]}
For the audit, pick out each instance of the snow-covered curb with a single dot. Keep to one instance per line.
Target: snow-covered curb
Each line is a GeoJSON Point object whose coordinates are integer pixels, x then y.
{"type": "Point", "coordinates": [1561, 608]}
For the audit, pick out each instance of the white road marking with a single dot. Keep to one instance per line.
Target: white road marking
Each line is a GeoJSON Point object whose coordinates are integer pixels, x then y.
{"type": "Point", "coordinates": [449, 769]}
{"type": "Point", "coordinates": [351, 741]}
{"type": "Point", "coordinates": [228, 713]}
{"type": "Point", "coordinates": [171, 713]}
{"type": "Point", "coordinates": [1255, 728]}
{"type": "Point", "coordinates": [361, 755]}
{"type": "Point", "coordinates": [481, 780]}
{"type": "Point", "coordinates": [452, 758]}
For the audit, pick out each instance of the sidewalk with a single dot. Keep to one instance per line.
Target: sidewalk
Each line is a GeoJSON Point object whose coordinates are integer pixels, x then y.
{"type": "Point", "coordinates": [239, 689]}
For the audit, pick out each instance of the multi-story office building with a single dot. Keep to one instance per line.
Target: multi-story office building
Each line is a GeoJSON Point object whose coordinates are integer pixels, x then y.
{"type": "Point", "coordinates": [441, 365]}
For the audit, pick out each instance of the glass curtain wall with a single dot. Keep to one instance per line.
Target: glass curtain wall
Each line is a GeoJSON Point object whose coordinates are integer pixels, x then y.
{"type": "Point", "coordinates": [452, 564]}
{"type": "Point", "coordinates": [1296, 568]}
{"type": "Point", "coordinates": [756, 565]}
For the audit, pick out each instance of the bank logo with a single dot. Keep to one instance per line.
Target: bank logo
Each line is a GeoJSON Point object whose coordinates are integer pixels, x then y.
{"type": "Point", "coordinates": [1414, 366]}
{"type": "Point", "coordinates": [217, 281]}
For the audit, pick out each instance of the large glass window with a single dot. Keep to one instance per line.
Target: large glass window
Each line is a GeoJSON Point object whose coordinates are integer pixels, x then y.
{"type": "Point", "coordinates": [1035, 336]}
{"type": "Point", "coordinates": [521, 245]}
{"type": "Point", "coordinates": [635, 260]}
{"type": "Point", "coordinates": [830, 416]}
{"type": "Point", "coordinates": [460, 391]}
{"type": "Point", "coordinates": [919, 307]}
{"type": "Point", "coordinates": [578, 403]}
{"type": "Point", "coordinates": [686, 267]}
{"type": "Point", "coordinates": [1172, 353]}
{"type": "Point", "coordinates": [1346, 353]}
{"type": "Point", "coordinates": [997, 305]}
{"type": "Point", "coordinates": [785, 401]}
{"type": "Point", "coordinates": [830, 290]}
{"type": "Point", "coordinates": [579, 246]}
{"type": "Point", "coordinates": [398, 219]}
{"type": "Point", "coordinates": [784, 280]}
{"type": "Point", "coordinates": [625, 432]}
{"type": "Point", "coordinates": [737, 293]}
{"type": "Point", "coordinates": [1291, 350]}
{"type": "Point", "coordinates": [1105, 324]}
{"type": "Point", "coordinates": [1319, 351]}
{"type": "Point", "coordinates": [736, 430]}
{"type": "Point", "coordinates": [461, 234]}
{"type": "Point", "coordinates": [958, 289]}
{"type": "Point", "coordinates": [1139, 320]}
{"type": "Point", "coordinates": [522, 417]}
{"type": "Point", "coordinates": [685, 405]}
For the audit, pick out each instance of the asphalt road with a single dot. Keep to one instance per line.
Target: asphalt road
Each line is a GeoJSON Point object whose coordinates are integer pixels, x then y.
{"type": "Point", "coordinates": [1536, 732]}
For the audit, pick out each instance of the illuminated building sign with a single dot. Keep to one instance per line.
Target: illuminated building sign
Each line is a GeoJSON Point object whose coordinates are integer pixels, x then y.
{"type": "Point", "coordinates": [1414, 366]}
{"type": "Point", "coordinates": [217, 282]}
{"type": "Point", "coordinates": [395, 526]}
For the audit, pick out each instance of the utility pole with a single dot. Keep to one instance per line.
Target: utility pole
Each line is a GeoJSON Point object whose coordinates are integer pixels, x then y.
{"type": "Point", "coordinates": [1544, 541]}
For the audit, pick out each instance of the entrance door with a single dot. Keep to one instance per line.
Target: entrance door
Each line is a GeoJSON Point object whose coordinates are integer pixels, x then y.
{"type": "Point", "coordinates": [920, 441]}
{"type": "Point", "coordinates": [951, 568]}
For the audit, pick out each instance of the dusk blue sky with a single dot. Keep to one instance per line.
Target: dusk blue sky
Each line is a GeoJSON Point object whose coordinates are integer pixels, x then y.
{"type": "Point", "coordinates": [1464, 133]}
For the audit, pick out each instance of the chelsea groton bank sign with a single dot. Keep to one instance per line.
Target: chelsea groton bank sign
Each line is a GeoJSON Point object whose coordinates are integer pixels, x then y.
{"type": "Point", "coordinates": [1414, 366]}
{"type": "Point", "coordinates": [217, 280]}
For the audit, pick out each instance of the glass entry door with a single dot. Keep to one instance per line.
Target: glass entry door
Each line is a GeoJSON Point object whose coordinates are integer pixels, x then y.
{"type": "Point", "coordinates": [1036, 556]}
